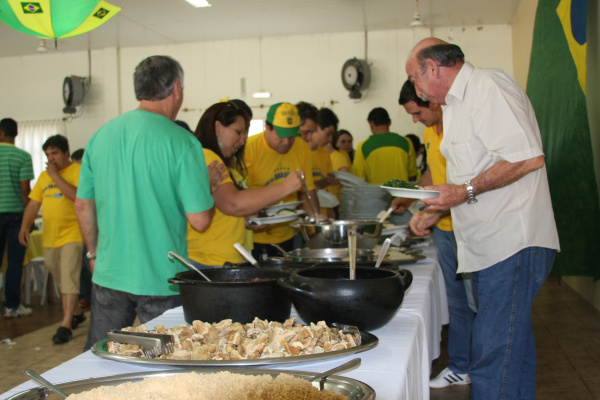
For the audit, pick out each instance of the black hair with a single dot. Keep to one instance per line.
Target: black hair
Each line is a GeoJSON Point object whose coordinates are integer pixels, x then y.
{"type": "Point", "coordinates": [408, 94]}
{"type": "Point", "coordinates": [183, 124]}
{"type": "Point", "coordinates": [9, 126]}
{"type": "Point", "coordinates": [242, 105]}
{"type": "Point", "coordinates": [445, 55]}
{"type": "Point", "coordinates": [307, 111]}
{"type": "Point", "coordinates": [379, 116]}
{"type": "Point", "coordinates": [77, 154]}
{"type": "Point", "coordinates": [58, 141]}
{"type": "Point", "coordinates": [327, 118]}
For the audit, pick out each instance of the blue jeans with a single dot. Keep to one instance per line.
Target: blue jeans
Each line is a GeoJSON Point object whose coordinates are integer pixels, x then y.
{"type": "Point", "coordinates": [113, 309]}
{"type": "Point", "coordinates": [504, 357]}
{"type": "Point", "coordinates": [461, 315]}
{"type": "Point", "coordinates": [10, 225]}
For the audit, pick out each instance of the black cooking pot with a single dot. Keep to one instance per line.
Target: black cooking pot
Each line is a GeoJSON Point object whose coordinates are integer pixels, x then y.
{"type": "Point", "coordinates": [233, 294]}
{"type": "Point", "coordinates": [360, 264]}
{"type": "Point", "coordinates": [327, 294]}
{"type": "Point", "coordinates": [273, 263]}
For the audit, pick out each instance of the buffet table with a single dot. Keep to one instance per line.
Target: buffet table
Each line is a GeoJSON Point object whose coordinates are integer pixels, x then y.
{"type": "Point", "coordinates": [398, 368]}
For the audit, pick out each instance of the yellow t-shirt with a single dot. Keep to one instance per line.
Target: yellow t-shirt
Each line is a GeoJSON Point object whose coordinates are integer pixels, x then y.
{"type": "Point", "coordinates": [214, 245]}
{"type": "Point", "coordinates": [339, 159]}
{"type": "Point", "coordinates": [321, 167]}
{"type": "Point", "coordinates": [266, 167]}
{"type": "Point", "coordinates": [58, 212]}
{"type": "Point", "coordinates": [437, 163]}
{"type": "Point", "coordinates": [383, 157]}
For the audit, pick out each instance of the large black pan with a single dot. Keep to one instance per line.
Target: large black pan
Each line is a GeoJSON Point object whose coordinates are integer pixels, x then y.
{"type": "Point", "coordinates": [327, 294]}
{"type": "Point", "coordinates": [233, 294]}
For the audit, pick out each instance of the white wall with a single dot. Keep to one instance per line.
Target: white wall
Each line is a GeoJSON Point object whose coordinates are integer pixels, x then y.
{"type": "Point", "coordinates": [293, 68]}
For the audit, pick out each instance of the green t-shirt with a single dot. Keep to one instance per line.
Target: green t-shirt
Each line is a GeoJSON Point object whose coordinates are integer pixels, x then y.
{"type": "Point", "coordinates": [15, 166]}
{"type": "Point", "coordinates": [144, 172]}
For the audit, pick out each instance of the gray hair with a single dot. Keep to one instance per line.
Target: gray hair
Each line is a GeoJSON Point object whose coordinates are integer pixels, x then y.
{"type": "Point", "coordinates": [155, 77]}
{"type": "Point", "coordinates": [445, 55]}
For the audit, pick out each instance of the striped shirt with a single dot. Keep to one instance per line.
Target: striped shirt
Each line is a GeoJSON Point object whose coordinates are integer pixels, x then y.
{"type": "Point", "coordinates": [15, 166]}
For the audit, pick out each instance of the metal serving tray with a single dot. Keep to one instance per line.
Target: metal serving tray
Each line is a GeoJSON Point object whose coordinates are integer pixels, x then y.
{"type": "Point", "coordinates": [368, 341]}
{"type": "Point", "coordinates": [351, 388]}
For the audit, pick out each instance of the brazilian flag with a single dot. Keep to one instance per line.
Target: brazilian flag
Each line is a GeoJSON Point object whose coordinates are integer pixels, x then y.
{"type": "Point", "coordinates": [556, 87]}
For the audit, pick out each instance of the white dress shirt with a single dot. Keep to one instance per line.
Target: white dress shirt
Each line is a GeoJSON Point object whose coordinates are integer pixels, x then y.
{"type": "Point", "coordinates": [489, 118]}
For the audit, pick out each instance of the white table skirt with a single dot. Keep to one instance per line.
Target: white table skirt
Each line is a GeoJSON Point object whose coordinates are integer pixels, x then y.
{"type": "Point", "coordinates": [398, 368]}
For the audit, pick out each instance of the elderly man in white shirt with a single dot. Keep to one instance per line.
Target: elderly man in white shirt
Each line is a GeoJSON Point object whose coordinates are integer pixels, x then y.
{"type": "Point", "coordinates": [498, 195]}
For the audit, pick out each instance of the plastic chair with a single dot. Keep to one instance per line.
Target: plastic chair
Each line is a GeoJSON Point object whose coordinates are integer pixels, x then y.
{"type": "Point", "coordinates": [41, 274]}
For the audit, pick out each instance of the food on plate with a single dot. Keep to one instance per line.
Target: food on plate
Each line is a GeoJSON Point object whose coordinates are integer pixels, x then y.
{"type": "Point", "coordinates": [285, 211]}
{"type": "Point", "coordinates": [221, 385]}
{"type": "Point", "coordinates": [397, 183]}
{"type": "Point", "coordinates": [228, 340]}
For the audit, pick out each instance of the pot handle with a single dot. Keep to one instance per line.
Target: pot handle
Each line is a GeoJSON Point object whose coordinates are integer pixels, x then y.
{"type": "Point", "coordinates": [180, 281]}
{"type": "Point", "coordinates": [289, 287]}
{"type": "Point", "coordinates": [407, 277]}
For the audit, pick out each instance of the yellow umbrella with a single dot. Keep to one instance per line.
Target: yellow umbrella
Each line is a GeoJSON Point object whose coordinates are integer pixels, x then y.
{"type": "Point", "coordinates": [55, 19]}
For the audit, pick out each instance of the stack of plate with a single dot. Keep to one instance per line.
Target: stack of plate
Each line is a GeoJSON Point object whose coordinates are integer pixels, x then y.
{"type": "Point", "coordinates": [364, 202]}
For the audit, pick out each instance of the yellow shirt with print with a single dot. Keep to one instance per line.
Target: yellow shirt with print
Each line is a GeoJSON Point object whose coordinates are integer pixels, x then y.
{"type": "Point", "coordinates": [266, 167]}
{"type": "Point", "coordinates": [214, 245]}
{"type": "Point", "coordinates": [437, 163]}
{"type": "Point", "coordinates": [58, 212]}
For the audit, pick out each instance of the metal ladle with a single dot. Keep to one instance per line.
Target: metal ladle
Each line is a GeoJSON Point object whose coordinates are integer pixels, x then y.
{"type": "Point", "coordinates": [312, 203]}
{"type": "Point", "coordinates": [344, 367]}
{"type": "Point", "coordinates": [38, 378]}
{"type": "Point", "coordinates": [188, 264]}
{"type": "Point", "coordinates": [278, 247]}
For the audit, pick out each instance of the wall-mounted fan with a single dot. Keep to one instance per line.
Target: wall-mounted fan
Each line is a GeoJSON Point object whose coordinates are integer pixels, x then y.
{"type": "Point", "coordinates": [74, 90]}
{"type": "Point", "coordinates": [356, 76]}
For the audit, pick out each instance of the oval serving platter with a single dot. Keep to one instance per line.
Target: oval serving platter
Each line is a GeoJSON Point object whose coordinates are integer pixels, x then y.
{"type": "Point", "coordinates": [351, 388]}
{"type": "Point", "coordinates": [368, 341]}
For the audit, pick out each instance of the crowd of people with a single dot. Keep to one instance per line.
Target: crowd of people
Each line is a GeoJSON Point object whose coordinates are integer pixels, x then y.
{"type": "Point", "coordinates": [147, 186]}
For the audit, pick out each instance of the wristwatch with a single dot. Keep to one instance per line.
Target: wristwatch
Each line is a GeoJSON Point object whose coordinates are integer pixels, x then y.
{"type": "Point", "coordinates": [470, 193]}
{"type": "Point", "coordinates": [89, 256]}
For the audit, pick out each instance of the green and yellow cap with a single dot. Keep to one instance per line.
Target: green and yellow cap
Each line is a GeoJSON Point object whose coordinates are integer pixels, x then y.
{"type": "Point", "coordinates": [285, 119]}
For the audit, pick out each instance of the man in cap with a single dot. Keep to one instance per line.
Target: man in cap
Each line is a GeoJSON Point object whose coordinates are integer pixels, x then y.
{"type": "Point", "coordinates": [270, 157]}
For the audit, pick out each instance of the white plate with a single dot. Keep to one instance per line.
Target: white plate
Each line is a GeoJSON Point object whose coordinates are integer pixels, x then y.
{"type": "Point", "coordinates": [348, 179]}
{"type": "Point", "coordinates": [277, 219]}
{"type": "Point", "coordinates": [326, 199]}
{"type": "Point", "coordinates": [412, 193]}
{"type": "Point", "coordinates": [276, 207]}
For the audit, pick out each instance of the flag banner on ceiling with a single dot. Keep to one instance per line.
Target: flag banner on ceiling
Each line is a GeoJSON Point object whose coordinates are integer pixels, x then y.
{"type": "Point", "coordinates": [556, 87]}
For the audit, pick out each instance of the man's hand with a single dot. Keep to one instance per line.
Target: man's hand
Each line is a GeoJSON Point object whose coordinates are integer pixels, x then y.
{"type": "Point", "coordinates": [52, 169]}
{"type": "Point", "coordinates": [450, 196]}
{"type": "Point", "coordinates": [401, 204]}
{"type": "Point", "coordinates": [294, 181]}
{"type": "Point", "coordinates": [24, 236]}
{"type": "Point", "coordinates": [421, 222]}
{"type": "Point", "coordinates": [217, 173]}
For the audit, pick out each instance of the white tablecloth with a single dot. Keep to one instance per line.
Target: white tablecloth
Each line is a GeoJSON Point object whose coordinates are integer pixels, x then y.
{"type": "Point", "coordinates": [398, 368]}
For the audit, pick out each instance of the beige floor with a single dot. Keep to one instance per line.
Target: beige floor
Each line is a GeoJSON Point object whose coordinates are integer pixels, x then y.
{"type": "Point", "coordinates": [567, 335]}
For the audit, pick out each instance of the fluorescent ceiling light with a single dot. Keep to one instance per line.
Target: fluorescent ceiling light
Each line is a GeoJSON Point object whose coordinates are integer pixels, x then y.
{"type": "Point", "coordinates": [199, 3]}
{"type": "Point", "coordinates": [262, 95]}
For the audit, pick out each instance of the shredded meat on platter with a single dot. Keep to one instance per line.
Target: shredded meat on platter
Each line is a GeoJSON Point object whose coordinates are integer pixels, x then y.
{"type": "Point", "coordinates": [227, 340]}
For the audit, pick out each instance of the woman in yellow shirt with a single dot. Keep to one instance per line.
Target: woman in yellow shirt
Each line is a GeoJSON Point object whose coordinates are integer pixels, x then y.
{"type": "Point", "coordinates": [223, 130]}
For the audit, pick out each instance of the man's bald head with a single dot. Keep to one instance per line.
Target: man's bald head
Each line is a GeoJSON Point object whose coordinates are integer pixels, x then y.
{"type": "Point", "coordinates": [432, 66]}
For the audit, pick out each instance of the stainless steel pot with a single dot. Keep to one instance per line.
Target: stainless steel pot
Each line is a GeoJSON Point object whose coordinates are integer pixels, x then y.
{"type": "Point", "coordinates": [321, 255]}
{"type": "Point", "coordinates": [334, 234]}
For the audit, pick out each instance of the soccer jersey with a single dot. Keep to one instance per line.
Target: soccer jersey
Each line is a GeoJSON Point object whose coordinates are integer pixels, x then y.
{"type": "Point", "coordinates": [437, 166]}
{"type": "Point", "coordinates": [214, 245]}
{"type": "Point", "coordinates": [15, 166]}
{"type": "Point", "coordinates": [266, 167]}
{"type": "Point", "coordinates": [58, 212]}
{"type": "Point", "coordinates": [383, 157]}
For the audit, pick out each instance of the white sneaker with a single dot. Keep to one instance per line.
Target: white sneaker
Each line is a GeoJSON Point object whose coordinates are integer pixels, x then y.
{"type": "Point", "coordinates": [20, 311]}
{"type": "Point", "coordinates": [448, 378]}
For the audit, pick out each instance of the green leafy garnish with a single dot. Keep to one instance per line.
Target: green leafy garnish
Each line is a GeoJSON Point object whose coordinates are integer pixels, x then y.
{"type": "Point", "coordinates": [397, 183]}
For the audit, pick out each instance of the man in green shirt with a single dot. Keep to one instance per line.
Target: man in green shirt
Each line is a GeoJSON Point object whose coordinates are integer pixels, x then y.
{"type": "Point", "coordinates": [16, 171]}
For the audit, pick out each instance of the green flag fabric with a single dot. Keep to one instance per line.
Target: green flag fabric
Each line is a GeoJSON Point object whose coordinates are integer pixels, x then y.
{"type": "Point", "coordinates": [556, 87]}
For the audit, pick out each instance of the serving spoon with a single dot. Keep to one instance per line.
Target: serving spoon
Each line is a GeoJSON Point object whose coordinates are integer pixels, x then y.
{"type": "Point", "coordinates": [382, 253]}
{"type": "Point", "coordinates": [322, 377]}
{"type": "Point", "coordinates": [38, 378]}
{"type": "Point", "coordinates": [188, 264]}
{"type": "Point", "coordinates": [246, 254]}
